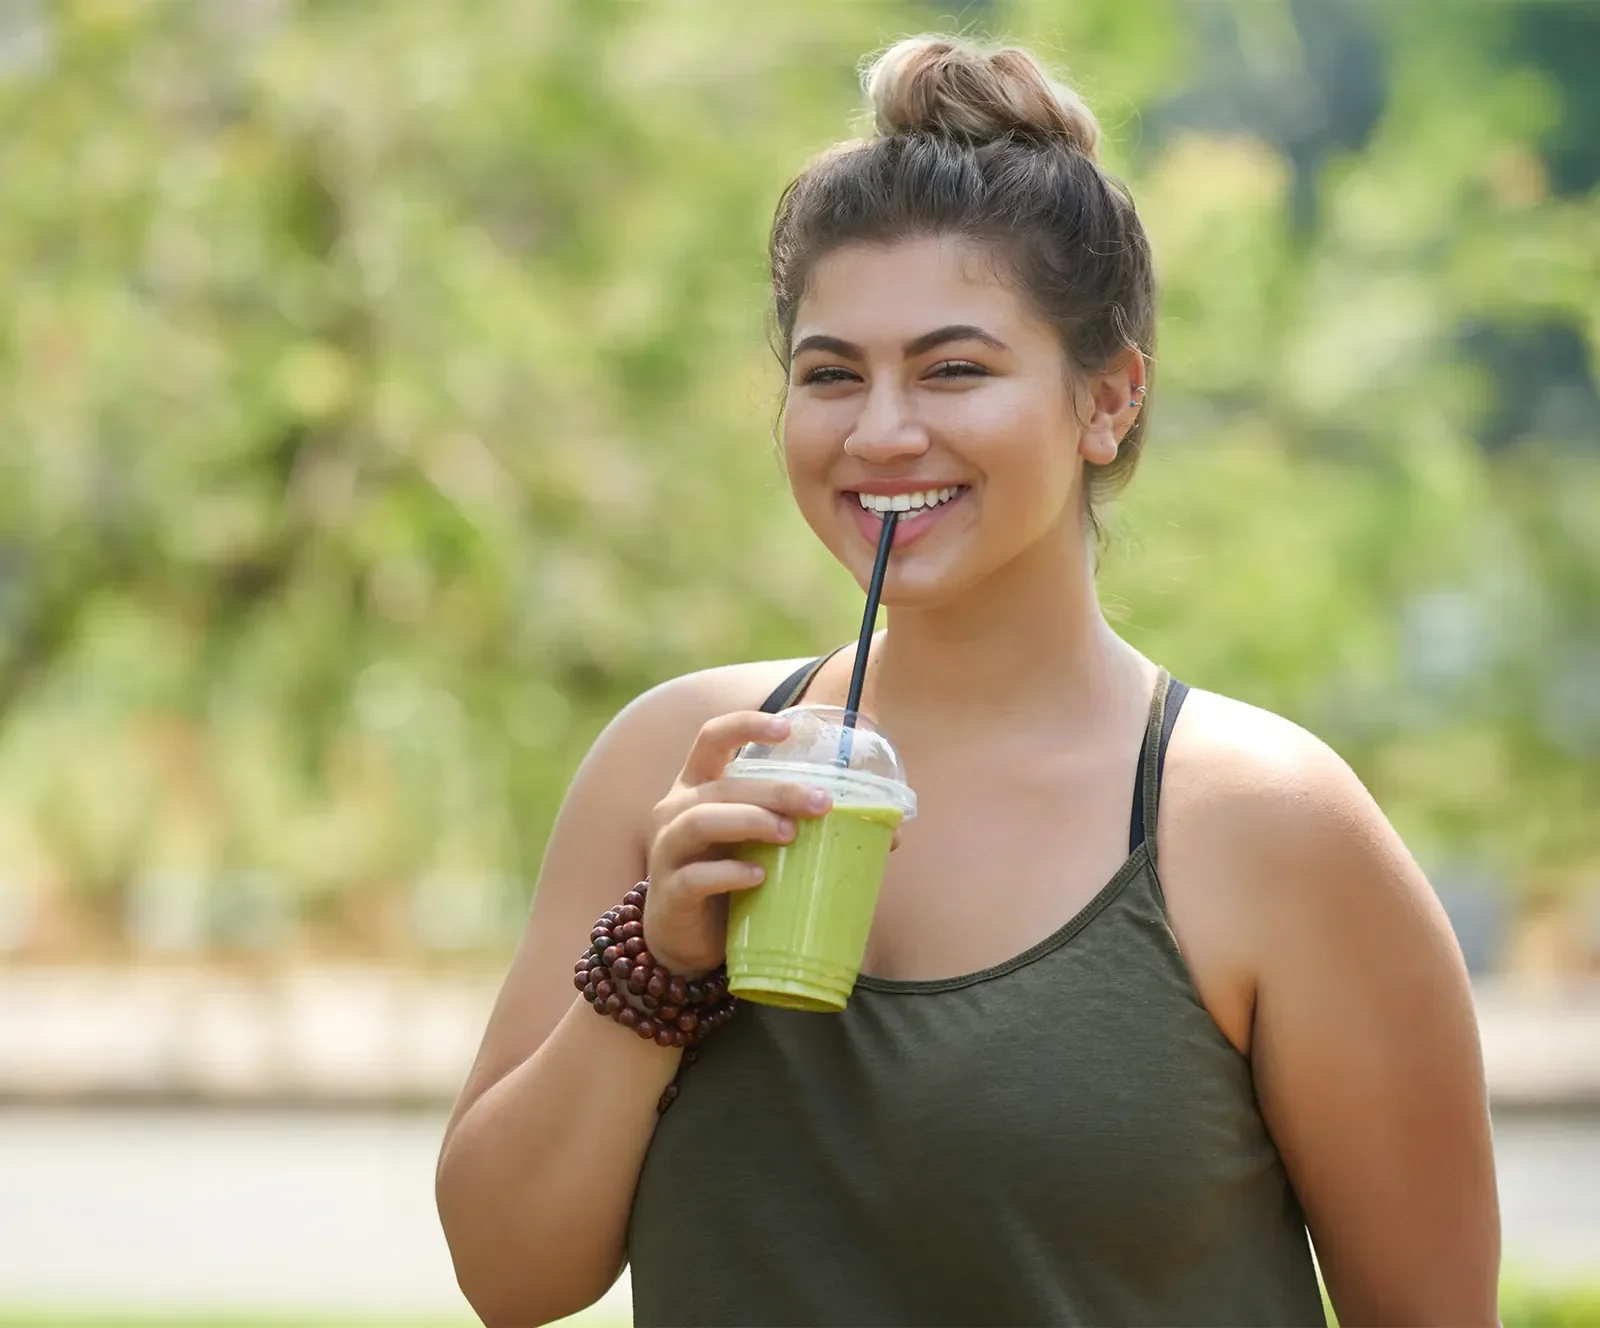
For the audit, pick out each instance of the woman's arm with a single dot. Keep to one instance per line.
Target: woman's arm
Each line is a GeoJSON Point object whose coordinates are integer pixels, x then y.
{"type": "Point", "coordinates": [1365, 1049]}
{"type": "Point", "coordinates": [542, 1153]}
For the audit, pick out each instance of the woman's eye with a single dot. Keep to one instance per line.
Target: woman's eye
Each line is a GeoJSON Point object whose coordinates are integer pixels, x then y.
{"type": "Point", "coordinates": [958, 369]}
{"type": "Point", "coordinates": [828, 373]}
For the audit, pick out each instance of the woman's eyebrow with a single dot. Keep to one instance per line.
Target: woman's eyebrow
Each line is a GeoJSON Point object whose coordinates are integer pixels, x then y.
{"type": "Point", "coordinates": [833, 345]}
{"type": "Point", "coordinates": [955, 332]}
{"type": "Point", "coordinates": [916, 346]}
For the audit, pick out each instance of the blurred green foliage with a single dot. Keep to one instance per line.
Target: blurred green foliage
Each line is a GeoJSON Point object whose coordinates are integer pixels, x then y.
{"type": "Point", "coordinates": [385, 402]}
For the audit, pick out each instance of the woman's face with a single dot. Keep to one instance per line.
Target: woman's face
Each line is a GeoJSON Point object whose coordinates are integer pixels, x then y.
{"type": "Point", "coordinates": [919, 377]}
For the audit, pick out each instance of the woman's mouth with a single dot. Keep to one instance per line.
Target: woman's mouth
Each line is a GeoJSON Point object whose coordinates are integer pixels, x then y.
{"type": "Point", "coordinates": [919, 512]}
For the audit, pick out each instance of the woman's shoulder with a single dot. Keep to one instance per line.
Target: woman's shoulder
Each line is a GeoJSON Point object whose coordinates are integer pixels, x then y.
{"type": "Point", "coordinates": [1284, 880]}
{"type": "Point", "coordinates": [653, 732]}
{"type": "Point", "coordinates": [690, 699]}
{"type": "Point", "coordinates": [1256, 774]}
{"type": "Point", "coordinates": [1277, 819]}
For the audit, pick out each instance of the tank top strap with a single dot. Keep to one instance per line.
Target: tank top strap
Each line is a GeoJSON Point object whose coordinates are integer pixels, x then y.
{"type": "Point", "coordinates": [790, 691]}
{"type": "Point", "coordinates": [1165, 704]}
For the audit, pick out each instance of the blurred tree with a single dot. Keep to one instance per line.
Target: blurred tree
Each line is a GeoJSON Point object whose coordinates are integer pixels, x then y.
{"type": "Point", "coordinates": [385, 403]}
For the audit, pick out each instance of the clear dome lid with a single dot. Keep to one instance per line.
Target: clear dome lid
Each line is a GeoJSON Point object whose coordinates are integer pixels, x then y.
{"type": "Point", "coordinates": [855, 763]}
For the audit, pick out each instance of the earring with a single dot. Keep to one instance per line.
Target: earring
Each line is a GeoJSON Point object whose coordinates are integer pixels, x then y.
{"type": "Point", "coordinates": [1138, 396]}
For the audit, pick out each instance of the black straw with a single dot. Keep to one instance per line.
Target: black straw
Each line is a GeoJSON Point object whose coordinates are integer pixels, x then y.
{"type": "Point", "coordinates": [869, 620]}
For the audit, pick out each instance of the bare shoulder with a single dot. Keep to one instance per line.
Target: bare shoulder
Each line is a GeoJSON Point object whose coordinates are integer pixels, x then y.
{"type": "Point", "coordinates": [634, 761]}
{"type": "Point", "coordinates": [652, 734]}
{"type": "Point", "coordinates": [1268, 792]}
{"type": "Point", "coordinates": [1277, 862]}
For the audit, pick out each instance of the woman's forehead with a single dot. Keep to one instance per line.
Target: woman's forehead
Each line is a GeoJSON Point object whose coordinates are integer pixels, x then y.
{"type": "Point", "coordinates": [897, 290]}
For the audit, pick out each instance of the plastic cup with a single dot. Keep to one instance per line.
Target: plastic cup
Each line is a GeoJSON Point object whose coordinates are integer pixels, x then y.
{"type": "Point", "coordinates": [797, 939]}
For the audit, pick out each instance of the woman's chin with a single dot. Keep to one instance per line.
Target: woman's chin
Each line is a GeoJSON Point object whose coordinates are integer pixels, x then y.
{"type": "Point", "coordinates": [925, 584]}
{"type": "Point", "coordinates": [926, 575]}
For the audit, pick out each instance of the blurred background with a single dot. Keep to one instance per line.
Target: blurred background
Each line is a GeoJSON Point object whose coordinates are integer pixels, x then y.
{"type": "Point", "coordinates": [385, 401]}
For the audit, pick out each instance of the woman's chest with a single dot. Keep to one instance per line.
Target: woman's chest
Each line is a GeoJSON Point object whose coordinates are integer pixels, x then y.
{"type": "Point", "coordinates": [991, 865]}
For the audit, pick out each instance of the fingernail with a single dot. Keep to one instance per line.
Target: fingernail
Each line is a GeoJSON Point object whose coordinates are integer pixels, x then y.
{"type": "Point", "coordinates": [816, 800]}
{"type": "Point", "coordinates": [786, 828]}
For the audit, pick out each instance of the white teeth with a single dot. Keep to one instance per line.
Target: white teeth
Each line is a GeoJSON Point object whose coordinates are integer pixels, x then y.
{"type": "Point", "coordinates": [907, 502]}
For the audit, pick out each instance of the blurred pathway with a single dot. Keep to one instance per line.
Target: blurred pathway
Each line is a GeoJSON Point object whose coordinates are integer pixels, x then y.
{"type": "Point", "coordinates": [163, 1210]}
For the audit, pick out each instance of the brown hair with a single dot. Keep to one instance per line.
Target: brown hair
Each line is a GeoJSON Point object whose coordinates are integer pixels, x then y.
{"type": "Point", "coordinates": [983, 144]}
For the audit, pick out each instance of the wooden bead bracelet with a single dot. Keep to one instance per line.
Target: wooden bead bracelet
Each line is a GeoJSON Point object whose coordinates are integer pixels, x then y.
{"type": "Point", "coordinates": [619, 977]}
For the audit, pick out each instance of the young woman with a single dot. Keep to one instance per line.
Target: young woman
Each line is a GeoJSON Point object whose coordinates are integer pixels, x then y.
{"type": "Point", "coordinates": [1149, 991]}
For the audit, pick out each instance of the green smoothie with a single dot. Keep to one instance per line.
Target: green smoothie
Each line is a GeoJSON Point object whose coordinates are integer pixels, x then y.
{"type": "Point", "coordinates": [797, 939]}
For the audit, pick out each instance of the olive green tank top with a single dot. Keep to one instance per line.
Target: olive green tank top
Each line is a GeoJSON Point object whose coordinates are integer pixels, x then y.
{"type": "Point", "coordinates": [1064, 1138]}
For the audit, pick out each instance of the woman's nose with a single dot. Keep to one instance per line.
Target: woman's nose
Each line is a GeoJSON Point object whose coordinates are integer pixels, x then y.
{"type": "Point", "coordinates": [886, 430]}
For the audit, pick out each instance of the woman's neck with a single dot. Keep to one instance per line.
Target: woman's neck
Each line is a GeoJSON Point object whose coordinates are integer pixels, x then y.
{"type": "Point", "coordinates": [1028, 646]}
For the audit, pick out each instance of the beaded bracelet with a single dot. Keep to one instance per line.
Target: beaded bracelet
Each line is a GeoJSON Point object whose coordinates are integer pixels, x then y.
{"type": "Point", "coordinates": [620, 978]}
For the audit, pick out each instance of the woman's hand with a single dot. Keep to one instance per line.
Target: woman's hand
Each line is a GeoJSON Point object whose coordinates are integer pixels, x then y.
{"type": "Point", "coordinates": [699, 825]}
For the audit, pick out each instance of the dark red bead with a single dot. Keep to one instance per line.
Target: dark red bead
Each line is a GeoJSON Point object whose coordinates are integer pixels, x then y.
{"type": "Point", "coordinates": [693, 1054]}
{"type": "Point", "coordinates": [588, 991]}
{"type": "Point", "coordinates": [646, 1028]}
{"type": "Point", "coordinates": [645, 958]}
{"type": "Point", "coordinates": [580, 980]}
{"type": "Point", "coordinates": [632, 947]}
{"type": "Point", "coordinates": [633, 897]}
{"type": "Point", "coordinates": [610, 955]}
{"type": "Point", "coordinates": [649, 1002]}
{"type": "Point", "coordinates": [629, 913]}
{"type": "Point", "coordinates": [669, 1013]}
{"type": "Point", "coordinates": [599, 1008]}
{"type": "Point", "coordinates": [597, 974]}
{"type": "Point", "coordinates": [664, 1036]}
{"type": "Point", "coordinates": [668, 1097]}
{"type": "Point", "coordinates": [638, 980]}
{"type": "Point", "coordinates": [604, 988]}
{"type": "Point", "coordinates": [658, 984]}
{"type": "Point", "coordinates": [620, 968]}
{"type": "Point", "coordinates": [677, 991]}
{"type": "Point", "coordinates": [615, 1004]}
{"type": "Point", "coordinates": [688, 1021]}
{"type": "Point", "coordinates": [628, 930]}
{"type": "Point", "coordinates": [627, 1016]}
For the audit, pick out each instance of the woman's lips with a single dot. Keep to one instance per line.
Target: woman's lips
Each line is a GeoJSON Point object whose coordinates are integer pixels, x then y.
{"type": "Point", "coordinates": [912, 526]}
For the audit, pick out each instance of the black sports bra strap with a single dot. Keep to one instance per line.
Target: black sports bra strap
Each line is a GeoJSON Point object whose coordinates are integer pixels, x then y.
{"type": "Point", "coordinates": [1166, 704]}
{"type": "Point", "coordinates": [792, 686]}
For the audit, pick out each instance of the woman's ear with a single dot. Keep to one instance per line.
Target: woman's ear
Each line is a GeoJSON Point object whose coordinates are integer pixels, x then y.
{"type": "Point", "coordinates": [1116, 396]}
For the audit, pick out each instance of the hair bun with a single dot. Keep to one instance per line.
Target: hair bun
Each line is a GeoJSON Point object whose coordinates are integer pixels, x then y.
{"type": "Point", "coordinates": [945, 85]}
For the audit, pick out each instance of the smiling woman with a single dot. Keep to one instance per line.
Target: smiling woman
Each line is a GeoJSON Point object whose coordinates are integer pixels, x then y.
{"type": "Point", "coordinates": [1152, 1000]}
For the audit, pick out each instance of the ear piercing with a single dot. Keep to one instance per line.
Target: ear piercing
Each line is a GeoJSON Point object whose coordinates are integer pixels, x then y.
{"type": "Point", "coordinates": [1138, 396]}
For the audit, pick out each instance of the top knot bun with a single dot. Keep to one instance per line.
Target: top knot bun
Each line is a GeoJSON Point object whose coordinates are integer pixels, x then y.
{"type": "Point", "coordinates": [944, 85]}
